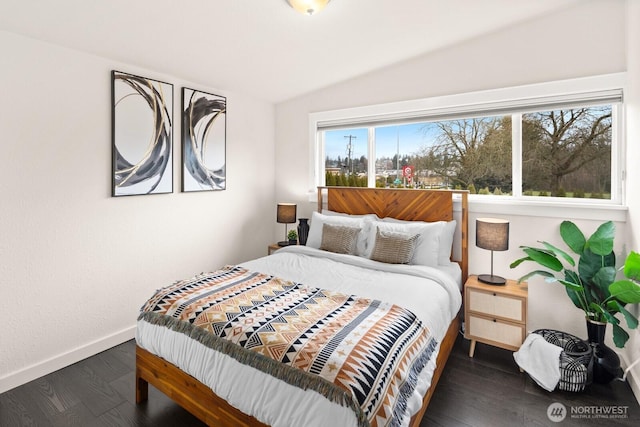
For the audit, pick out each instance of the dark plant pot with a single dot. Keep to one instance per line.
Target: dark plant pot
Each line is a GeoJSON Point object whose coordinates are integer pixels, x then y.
{"type": "Point", "coordinates": [303, 230]}
{"type": "Point", "coordinates": [606, 363]}
{"type": "Point", "coordinates": [293, 242]}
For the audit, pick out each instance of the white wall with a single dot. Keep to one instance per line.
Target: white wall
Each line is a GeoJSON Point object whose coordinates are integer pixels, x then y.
{"type": "Point", "coordinates": [587, 39]}
{"type": "Point", "coordinates": [75, 263]}
{"type": "Point", "coordinates": [632, 101]}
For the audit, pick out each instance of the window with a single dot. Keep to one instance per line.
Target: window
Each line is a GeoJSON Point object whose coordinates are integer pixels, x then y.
{"type": "Point", "coordinates": [555, 147]}
{"type": "Point", "coordinates": [346, 153]}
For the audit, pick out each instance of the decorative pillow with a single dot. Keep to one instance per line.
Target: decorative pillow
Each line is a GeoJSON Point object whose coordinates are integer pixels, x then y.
{"type": "Point", "coordinates": [428, 245]}
{"type": "Point", "coordinates": [339, 239]}
{"type": "Point", "coordinates": [363, 244]}
{"type": "Point", "coordinates": [394, 248]}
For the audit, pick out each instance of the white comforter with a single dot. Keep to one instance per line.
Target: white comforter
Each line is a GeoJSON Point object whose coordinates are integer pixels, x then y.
{"type": "Point", "coordinates": [433, 295]}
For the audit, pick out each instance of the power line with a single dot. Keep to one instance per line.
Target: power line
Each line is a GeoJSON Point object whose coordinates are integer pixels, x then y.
{"type": "Point", "coordinates": [350, 149]}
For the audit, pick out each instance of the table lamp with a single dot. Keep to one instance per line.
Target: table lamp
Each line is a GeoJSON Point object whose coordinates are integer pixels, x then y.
{"type": "Point", "coordinates": [492, 234]}
{"type": "Point", "coordinates": [286, 214]}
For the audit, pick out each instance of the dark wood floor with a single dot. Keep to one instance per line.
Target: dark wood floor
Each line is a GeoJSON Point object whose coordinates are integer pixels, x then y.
{"type": "Point", "coordinates": [487, 390]}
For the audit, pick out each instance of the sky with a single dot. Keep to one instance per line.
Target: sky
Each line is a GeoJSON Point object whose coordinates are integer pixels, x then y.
{"type": "Point", "coordinates": [412, 138]}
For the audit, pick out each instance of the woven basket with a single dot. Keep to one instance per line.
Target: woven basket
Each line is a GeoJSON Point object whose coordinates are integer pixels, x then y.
{"type": "Point", "coordinates": [576, 359]}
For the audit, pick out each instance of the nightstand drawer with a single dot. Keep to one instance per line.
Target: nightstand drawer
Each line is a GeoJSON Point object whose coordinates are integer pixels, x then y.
{"type": "Point", "coordinates": [495, 304]}
{"type": "Point", "coordinates": [503, 333]}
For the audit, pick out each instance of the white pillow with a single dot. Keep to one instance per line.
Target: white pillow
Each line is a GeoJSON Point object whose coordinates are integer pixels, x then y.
{"type": "Point", "coordinates": [427, 251]}
{"type": "Point", "coordinates": [364, 223]}
{"type": "Point", "coordinates": [445, 239]}
{"type": "Point", "coordinates": [446, 243]}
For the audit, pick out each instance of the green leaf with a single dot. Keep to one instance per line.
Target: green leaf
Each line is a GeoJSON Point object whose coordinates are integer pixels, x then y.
{"type": "Point", "coordinates": [572, 236]}
{"type": "Point", "coordinates": [603, 314]}
{"type": "Point", "coordinates": [572, 285]}
{"type": "Point", "coordinates": [590, 264]}
{"type": "Point", "coordinates": [625, 291]}
{"type": "Point", "coordinates": [613, 306]}
{"type": "Point", "coordinates": [620, 336]}
{"type": "Point", "coordinates": [601, 242]}
{"type": "Point", "coordinates": [602, 279]}
{"type": "Point", "coordinates": [575, 298]}
{"type": "Point", "coordinates": [560, 252]}
{"type": "Point", "coordinates": [544, 258]}
{"type": "Point", "coordinates": [533, 273]}
{"type": "Point", "coordinates": [517, 262]}
{"type": "Point", "coordinates": [632, 321]}
{"type": "Point", "coordinates": [572, 276]}
{"type": "Point", "coordinates": [632, 266]}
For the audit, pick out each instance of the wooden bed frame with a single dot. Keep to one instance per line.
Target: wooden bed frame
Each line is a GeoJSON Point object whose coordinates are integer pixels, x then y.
{"type": "Point", "coordinates": [405, 204]}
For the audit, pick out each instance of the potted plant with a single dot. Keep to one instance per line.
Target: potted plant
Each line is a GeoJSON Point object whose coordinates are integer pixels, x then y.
{"type": "Point", "coordinates": [592, 286]}
{"type": "Point", "coordinates": [292, 235]}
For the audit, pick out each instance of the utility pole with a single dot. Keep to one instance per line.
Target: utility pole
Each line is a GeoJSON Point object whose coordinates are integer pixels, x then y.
{"type": "Point", "coordinates": [350, 149]}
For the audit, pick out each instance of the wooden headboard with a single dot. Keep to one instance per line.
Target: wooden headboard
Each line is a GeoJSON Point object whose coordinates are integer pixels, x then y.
{"type": "Point", "coordinates": [404, 204]}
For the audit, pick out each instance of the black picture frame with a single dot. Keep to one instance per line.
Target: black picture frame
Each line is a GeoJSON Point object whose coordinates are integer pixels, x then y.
{"type": "Point", "coordinates": [204, 141]}
{"type": "Point", "coordinates": [142, 135]}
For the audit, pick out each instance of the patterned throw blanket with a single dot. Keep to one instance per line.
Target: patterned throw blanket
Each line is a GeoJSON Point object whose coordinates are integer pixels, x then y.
{"type": "Point", "coordinates": [360, 353]}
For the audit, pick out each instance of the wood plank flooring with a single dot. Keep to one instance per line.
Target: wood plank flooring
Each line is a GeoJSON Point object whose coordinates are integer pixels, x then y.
{"type": "Point", "coordinates": [487, 390]}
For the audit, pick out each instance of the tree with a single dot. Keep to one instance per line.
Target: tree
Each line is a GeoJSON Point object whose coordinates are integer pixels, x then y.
{"type": "Point", "coordinates": [561, 143]}
{"type": "Point", "coordinates": [472, 151]}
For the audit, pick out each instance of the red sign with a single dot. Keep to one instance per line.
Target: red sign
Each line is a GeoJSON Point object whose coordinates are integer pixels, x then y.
{"type": "Point", "coordinates": [407, 172]}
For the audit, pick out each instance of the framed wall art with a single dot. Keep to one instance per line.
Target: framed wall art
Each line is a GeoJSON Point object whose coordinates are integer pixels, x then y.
{"type": "Point", "coordinates": [204, 135]}
{"type": "Point", "coordinates": [142, 132]}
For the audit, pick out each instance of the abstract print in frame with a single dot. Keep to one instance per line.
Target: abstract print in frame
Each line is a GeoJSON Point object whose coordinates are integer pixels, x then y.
{"type": "Point", "coordinates": [204, 134]}
{"type": "Point", "coordinates": [142, 130]}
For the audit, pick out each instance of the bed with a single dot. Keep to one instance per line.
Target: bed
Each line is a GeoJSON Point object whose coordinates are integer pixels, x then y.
{"type": "Point", "coordinates": [163, 357]}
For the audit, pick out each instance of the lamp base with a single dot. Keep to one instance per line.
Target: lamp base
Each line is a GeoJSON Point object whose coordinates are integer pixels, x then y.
{"type": "Point", "coordinates": [283, 243]}
{"type": "Point", "coordinates": [490, 279]}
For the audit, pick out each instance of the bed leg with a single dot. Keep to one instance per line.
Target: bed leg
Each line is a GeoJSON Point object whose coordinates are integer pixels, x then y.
{"type": "Point", "coordinates": [142, 389]}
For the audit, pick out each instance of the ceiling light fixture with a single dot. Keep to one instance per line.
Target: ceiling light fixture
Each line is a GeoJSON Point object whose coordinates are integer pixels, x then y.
{"type": "Point", "coordinates": [308, 7]}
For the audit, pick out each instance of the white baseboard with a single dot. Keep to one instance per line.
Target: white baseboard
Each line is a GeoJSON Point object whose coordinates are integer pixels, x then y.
{"type": "Point", "coordinates": [632, 378]}
{"type": "Point", "coordinates": [30, 373]}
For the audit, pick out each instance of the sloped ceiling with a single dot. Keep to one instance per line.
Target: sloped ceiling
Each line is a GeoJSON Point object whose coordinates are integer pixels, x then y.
{"type": "Point", "coordinates": [263, 47]}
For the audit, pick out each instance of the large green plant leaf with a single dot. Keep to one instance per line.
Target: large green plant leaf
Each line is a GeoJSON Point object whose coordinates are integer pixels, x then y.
{"type": "Point", "coordinates": [632, 266]}
{"type": "Point", "coordinates": [533, 273]}
{"type": "Point", "coordinates": [602, 315]}
{"type": "Point", "coordinates": [572, 276]}
{"type": "Point", "coordinates": [574, 289]}
{"type": "Point", "coordinates": [620, 336]}
{"type": "Point", "coordinates": [601, 281]}
{"type": "Point", "coordinates": [519, 261]}
{"type": "Point", "coordinates": [590, 264]}
{"type": "Point", "coordinates": [625, 291]}
{"type": "Point", "coordinates": [572, 285]}
{"type": "Point", "coordinates": [632, 321]}
{"type": "Point", "coordinates": [560, 253]}
{"type": "Point", "coordinates": [601, 241]}
{"type": "Point", "coordinates": [574, 296]}
{"type": "Point", "coordinates": [543, 257]}
{"type": "Point", "coordinates": [572, 236]}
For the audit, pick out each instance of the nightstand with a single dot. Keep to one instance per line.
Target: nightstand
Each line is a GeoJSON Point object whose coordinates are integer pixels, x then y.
{"type": "Point", "coordinates": [495, 315]}
{"type": "Point", "coordinates": [272, 248]}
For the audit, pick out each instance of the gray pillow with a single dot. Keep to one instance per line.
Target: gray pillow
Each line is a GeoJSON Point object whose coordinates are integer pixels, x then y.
{"type": "Point", "coordinates": [339, 239]}
{"type": "Point", "coordinates": [394, 248]}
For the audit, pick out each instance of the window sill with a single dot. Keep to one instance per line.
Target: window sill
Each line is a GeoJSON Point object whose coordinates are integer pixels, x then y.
{"type": "Point", "coordinates": [548, 209]}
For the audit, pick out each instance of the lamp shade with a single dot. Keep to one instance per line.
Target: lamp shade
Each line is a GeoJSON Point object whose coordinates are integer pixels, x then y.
{"type": "Point", "coordinates": [286, 213]}
{"type": "Point", "coordinates": [308, 7]}
{"type": "Point", "coordinates": [492, 234]}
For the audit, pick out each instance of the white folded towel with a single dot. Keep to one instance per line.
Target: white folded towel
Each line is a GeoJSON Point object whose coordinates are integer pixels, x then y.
{"type": "Point", "coordinates": [541, 360]}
